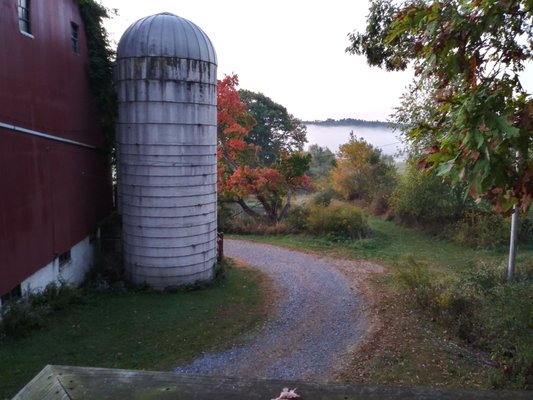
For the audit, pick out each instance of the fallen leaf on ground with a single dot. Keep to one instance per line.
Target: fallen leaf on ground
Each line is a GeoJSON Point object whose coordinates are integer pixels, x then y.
{"type": "Point", "coordinates": [287, 394]}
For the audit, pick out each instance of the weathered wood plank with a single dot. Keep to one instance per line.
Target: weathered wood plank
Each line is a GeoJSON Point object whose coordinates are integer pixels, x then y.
{"type": "Point", "coordinates": [76, 383]}
{"type": "Point", "coordinates": [45, 386]}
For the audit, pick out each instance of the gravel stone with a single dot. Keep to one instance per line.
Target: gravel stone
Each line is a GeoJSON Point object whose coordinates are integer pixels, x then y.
{"type": "Point", "coordinates": [317, 321]}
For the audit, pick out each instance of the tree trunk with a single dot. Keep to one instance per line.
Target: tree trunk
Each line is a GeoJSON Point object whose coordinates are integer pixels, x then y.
{"type": "Point", "coordinates": [255, 215]}
{"type": "Point", "coordinates": [287, 207]}
{"type": "Point", "coordinates": [270, 209]}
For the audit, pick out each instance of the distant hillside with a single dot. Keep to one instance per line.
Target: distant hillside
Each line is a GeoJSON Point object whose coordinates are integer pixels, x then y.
{"type": "Point", "coordinates": [349, 122]}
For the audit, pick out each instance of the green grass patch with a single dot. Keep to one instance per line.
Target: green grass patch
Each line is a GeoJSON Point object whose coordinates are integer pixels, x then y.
{"type": "Point", "coordinates": [389, 243]}
{"type": "Point", "coordinates": [137, 329]}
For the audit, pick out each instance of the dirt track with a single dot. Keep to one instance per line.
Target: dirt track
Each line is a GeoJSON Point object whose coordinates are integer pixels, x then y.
{"type": "Point", "coordinates": [317, 322]}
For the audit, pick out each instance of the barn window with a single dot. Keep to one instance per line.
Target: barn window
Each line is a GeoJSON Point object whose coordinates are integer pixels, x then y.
{"type": "Point", "coordinates": [13, 294]}
{"type": "Point", "coordinates": [75, 37]}
{"type": "Point", "coordinates": [25, 16]}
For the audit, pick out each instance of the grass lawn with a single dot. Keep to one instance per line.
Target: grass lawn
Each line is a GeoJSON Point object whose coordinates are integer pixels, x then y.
{"type": "Point", "coordinates": [390, 243]}
{"type": "Point", "coordinates": [137, 330]}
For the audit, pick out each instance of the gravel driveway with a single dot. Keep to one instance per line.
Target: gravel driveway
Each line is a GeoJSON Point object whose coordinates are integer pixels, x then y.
{"type": "Point", "coordinates": [317, 320]}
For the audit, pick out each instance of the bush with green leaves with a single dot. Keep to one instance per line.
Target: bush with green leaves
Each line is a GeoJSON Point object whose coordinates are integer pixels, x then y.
{"type": "Point", "coordinates": [526, 228]}
{"type": "Point", "coordinates": [509, 317]}
{"type": "Point", "coordinates": [21, 317]}
{"type": "Point", "coordinates": [482, 308]}
{"type": "Point", "coordinates": [24, 315]}
{"type": "Point", "coordinates": [423, 199]}
{"type": "Point", "coordinates": [296, 221]}
{"type": "Point", "coordinates": [322, 161]}
{"type": "Point", "coordinates": [339, 221]}
{"type": "Point", "coordinates": [480, 230]}
{"type": "Point", "coordinates": [324, 196]}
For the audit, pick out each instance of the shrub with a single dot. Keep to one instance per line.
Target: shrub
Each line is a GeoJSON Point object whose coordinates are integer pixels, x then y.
{"type": "Point", "coordinates": [297, 219]}
{"type": "Point", "coordinates": [423, 199]}
{"type": "Point", "coordinates": [225, 216]}
{"type": "Point", "coordinates": [324, 196]}
{"type": "Point", "coordinates": [480, 230]}
{"type": "Point", "coordinates": [22, 316]}
{"type": "Point", "coordinates": [340, 221]}
{"type": "Point", "coordinates": [417, 279]}
{"type": "Point", "coordinates": [322, 161]}
{"type": "Point", "coordinates": [232, 219]}
{"type": "Point", "coordinates": [364, 174]}
{"type": "Point", "coordinates": [526, 229]}
{"type": "Point", "coordinates": [483, 278]}
{"type": "Point", "coordinates": [444, 300]}
{"type": "Point", "coordinates": [458, 309]}
{"type": "Point", "coordinates": [509, 317]}
{"type": "Point", "coordinates": [56, 296]}
{"type": "Point", "coordinates": [483, 309]}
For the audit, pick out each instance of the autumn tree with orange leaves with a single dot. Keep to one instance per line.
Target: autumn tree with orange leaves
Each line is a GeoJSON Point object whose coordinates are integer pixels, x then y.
{"type": "Point", "coordinates": [241, 175]}
{"type": "Point", "coordinates": [364, 174]}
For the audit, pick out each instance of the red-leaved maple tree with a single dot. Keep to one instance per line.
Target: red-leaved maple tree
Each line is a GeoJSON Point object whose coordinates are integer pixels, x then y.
{"type": "Point", "coordinates": [240, 175]}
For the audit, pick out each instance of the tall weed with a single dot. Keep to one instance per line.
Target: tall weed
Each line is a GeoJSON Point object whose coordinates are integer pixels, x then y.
{"type": "Point", "coordinates": [509, 319]}
{"type": "Point", "coordinates": [29, 313]}
{"type": "Point", "coordinates": [481, 308]}
{"type": "Point", "coordinates": [480, 230]}
{"type": "Point", "coordinates": [338, 221]}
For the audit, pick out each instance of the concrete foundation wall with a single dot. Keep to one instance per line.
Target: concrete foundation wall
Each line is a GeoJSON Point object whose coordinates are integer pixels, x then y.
{"type": "Point", "coordinates": [71, 271]}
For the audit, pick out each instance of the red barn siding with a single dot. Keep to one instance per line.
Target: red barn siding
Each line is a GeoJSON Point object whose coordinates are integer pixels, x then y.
{"type": "Point", "coordinates": [52, 194]}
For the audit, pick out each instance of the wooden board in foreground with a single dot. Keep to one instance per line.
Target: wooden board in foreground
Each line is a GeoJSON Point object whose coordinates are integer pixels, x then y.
{"type": "Point", "coordinates": [77, 383]}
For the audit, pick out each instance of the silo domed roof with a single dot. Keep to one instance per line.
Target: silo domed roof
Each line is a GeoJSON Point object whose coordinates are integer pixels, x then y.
{"type": "Point", "coordinates": [166, 35]}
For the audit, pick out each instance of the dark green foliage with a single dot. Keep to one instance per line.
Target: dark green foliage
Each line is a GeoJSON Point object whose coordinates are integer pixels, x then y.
{"type": "Point", "coordinates": [100, 68]}
{"type": "Point", "coordinates": [21, 317]}
{"type": "Point", "coordinates": [526, 228]}
{"type": "Point", "coordinates": [374, 42]}
{"type": "Point", "coordinates": [276, 131]}
{"type": "Point", "coordinates": [423, 199]}
{"type": "Point", "coordinates": [417, 279]}
{"type": "Point", "coordinates": [56, 296]}
{"type": "Point", "coordinates": [337, 222]}
{"type": "Point", "coordinates": [225, 215]}
{"type": "Point", "coordinates": [349, 122]}
{"type": "Point", "coordinates": [322, 161]}
{"type": "Point", "coordinates": [107, 271]}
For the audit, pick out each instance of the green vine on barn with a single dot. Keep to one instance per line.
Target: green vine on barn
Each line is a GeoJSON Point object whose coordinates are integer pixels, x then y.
{"type": "Point", "coordinates": [100, 68]}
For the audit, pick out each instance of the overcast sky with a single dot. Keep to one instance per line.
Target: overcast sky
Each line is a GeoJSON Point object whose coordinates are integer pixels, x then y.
{"type": "Point", "coordinates": [292, 51]}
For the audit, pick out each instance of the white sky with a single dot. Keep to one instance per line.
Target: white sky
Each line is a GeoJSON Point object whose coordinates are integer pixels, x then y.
{"type": "Point", "coordinates": [290, 50]}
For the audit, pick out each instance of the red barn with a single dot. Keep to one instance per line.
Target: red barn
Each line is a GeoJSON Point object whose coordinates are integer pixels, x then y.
{"type": "Point", "coordinates": [55, 182]}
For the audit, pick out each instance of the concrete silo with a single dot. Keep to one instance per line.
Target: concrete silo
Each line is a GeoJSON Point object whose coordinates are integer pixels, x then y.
{"type": "Point", "coordinates": [166, 139]}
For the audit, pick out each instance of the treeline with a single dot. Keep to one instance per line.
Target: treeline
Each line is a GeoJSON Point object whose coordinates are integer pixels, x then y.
{"type": "Point", "coordinates": [349, 122]}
